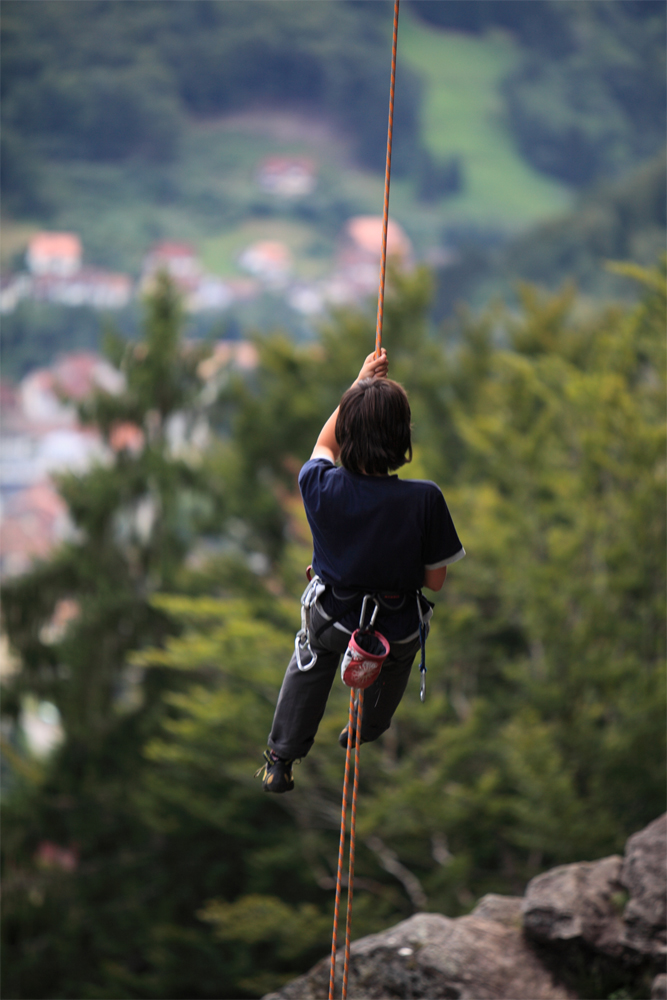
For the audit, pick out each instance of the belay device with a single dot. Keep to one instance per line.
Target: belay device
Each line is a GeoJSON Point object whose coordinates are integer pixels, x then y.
{"type": "Point", "coordinates": [366, 652]}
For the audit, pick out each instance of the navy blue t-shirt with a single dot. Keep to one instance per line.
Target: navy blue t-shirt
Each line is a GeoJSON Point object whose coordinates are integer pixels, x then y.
{"type": "Point", "coordinates": [377, 534]}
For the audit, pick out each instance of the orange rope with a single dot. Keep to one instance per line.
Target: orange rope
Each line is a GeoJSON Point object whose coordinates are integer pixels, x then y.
{"type": "Point", "coordinates": [360, 694]}
{"type": "Point", "coordinates": [387, 178]}
{"type": "Point", "coordinates": [341, 847]}
{"type": "Point", "coordinates": [355, 728]}
{"type": "Point", "coordinates": [353, 823]}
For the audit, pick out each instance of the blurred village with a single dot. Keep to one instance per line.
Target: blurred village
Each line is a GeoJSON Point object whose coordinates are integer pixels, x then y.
{"type": "Point", "coordinates": [40, 434]}
{"type": "Point", "coordinates": [56, 272]}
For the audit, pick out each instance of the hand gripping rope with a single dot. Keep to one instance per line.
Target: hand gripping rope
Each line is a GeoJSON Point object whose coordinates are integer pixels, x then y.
{"type": "Point", "coordinates": [351, 727]}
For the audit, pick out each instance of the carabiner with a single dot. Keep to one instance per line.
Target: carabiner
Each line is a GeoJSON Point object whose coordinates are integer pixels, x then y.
{"type": "Point", "coordinates": [367, 598]}
{"type": "Point", "coordinates": [300, 643]}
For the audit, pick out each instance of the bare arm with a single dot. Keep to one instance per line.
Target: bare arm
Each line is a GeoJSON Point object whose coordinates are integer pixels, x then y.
{"type": "Point", "coordinates": [326, 445]}
{"type": "Point", "coordinates": [434, 578]}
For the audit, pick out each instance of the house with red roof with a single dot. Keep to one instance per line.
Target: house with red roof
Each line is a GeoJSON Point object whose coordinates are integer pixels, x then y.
{"type": "Point", "coordinates": [357, 272]}
{"type": "Point", "coordinates": [54, 253]}
{"type": "Point", "coordinates": [269, 260]}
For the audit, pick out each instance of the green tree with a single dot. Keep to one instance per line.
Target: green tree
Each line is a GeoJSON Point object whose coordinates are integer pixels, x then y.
{"type": "Point", "coordinates": [134, 518]}
{"type": "Point", "coordinates": [540, 739]}
{"type": "Point", "coordinates": [599, 106]}
{"type": "Point", "coordinates": [550, 745]}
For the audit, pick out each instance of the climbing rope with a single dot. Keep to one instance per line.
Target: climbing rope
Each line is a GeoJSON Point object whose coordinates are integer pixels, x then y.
{"type": "Point", "coordinates": [356, 729]}
{"type": "Point", "coordinates": [353, 823]}
{"type": "Point", "coordinates": [387, 178]}
{"type": "Point", "coordinates": [351, 727]}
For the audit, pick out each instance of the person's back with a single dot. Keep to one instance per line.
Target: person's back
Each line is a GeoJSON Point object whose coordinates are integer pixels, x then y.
{"type": "Point", "coordinates": [373, 534]}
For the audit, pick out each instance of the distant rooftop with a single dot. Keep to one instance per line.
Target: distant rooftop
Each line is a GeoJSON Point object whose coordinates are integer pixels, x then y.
{"type": "Point", "coordinates": [54, 253]}
{"type": "Point", "coordinates": [289, 176]}
{"type": "Point", "coordinates": [267, 258]}
{"type": "Point", "coordinates": [169, 249]}
{"type": "Point", "coordinates": [365, 231]}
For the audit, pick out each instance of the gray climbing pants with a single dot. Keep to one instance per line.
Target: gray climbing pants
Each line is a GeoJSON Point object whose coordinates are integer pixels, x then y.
{"type": "Point", "coordinates": [304, 694]}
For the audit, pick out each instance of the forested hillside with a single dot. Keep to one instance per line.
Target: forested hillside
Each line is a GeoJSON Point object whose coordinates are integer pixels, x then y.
{"type": "Point", "coordinates": [131, 123]}
{"type": "Point", "coordinates": [108, 81]}
{"type": "Point", "coordinates": [111, 81]}
{"type": "Point", "coordinates": [616, 220]}
{"type": "Point", "coordinates": [588, 99]}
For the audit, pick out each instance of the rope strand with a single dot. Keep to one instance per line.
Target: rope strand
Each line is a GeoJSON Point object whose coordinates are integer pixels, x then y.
{"type": "Point", "coordinates": [341, 848]}
{"type": "Point", "coordinates": [360, 694]}
{"type": "Point", "coordinates": [387, 179]}
{"type": "Point", "coordinates": [353, 823]}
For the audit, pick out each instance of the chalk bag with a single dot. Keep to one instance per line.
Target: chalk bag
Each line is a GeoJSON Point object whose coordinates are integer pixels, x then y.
{"type": "Point", "coordinates": [366, 652]}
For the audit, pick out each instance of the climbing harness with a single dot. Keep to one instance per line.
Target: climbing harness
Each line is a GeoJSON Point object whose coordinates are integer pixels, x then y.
{"type": "Point", "coordinates": [366, 652]}
{"type": "Point", "coordinates": [367, 656]}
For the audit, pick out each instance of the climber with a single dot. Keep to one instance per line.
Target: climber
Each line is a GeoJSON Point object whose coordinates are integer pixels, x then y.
{"type": "Point", "coordinates": [373, 533]}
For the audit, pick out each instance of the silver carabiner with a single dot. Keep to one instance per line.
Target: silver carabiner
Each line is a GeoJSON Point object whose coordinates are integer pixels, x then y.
{"type": "Point", "coordinates": [300, 643]}
{"type": "Point", "coordinates": [367, 598]}
{"type": "Point", "coordinates": [302, 640]}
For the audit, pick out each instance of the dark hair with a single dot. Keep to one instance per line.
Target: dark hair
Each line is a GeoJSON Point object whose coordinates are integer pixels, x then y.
{"type": "Point", "coordinates": [373, 427]}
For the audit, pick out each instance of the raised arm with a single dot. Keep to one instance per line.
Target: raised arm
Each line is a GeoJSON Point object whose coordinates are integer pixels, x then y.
{"type": "Point", "coordinates": [326, 445]}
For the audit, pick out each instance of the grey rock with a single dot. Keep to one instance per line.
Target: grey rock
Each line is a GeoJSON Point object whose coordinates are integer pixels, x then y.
{"type": "Point", "coordinates": [644, 875]}
{"type": "Point", "coordinates": [596, 924]}
{"type": "Point", "coordinates": [659, 987]}
{"type": "Point", "coordinates": [615, 906]}
{"type": "Point", "coordinates": [431, 956]}
{"type": "Point", "coordinates": [503, 909]}
{"type": "Point", "coordinates": [578, 902]}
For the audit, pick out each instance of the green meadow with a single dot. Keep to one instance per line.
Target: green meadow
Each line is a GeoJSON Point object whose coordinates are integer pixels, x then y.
{"type": "Point", "coordinates": [310, 255]}
{"type": "Point", "coordinates": [462, 115]}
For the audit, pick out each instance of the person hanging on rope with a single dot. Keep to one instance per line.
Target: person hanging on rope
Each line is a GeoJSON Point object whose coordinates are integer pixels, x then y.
{"type": "Point", "coordinates": [373, 534]}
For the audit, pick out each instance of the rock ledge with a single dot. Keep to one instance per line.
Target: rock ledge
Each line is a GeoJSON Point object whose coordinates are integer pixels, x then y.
{"type": "Point", "coordinates": [581, 930]}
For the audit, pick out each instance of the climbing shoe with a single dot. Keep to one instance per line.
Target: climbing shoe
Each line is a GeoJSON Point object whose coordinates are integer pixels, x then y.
{"type": "Point", "coordinates": [342, 739]}
{"type": "Point", "coordinates": [276, 773]}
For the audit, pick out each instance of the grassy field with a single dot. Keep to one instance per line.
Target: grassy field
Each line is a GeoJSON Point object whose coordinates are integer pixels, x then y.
{"type": "Point", "coordinates": [310, 254]}
{"type": "Point", "coordinates": [462, 116]}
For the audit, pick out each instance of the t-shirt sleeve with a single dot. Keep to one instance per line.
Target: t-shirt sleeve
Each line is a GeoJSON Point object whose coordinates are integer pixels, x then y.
{"type": "Point", "coordinates": [311, 480]}
{"type": "Point", "coordinates": [441, 543]}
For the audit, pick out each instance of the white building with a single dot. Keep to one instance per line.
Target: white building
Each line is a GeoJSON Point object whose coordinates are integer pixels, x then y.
{"type": "Point", "coordinates": [54, 253]}
{"type": "Point", "coordinates": [287, 176]}
{"type": "Point", "coordinates": [269, 260]}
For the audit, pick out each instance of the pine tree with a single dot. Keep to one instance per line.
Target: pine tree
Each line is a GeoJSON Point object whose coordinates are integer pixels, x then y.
{"type": "Point", "coordinates": [134, 516]}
